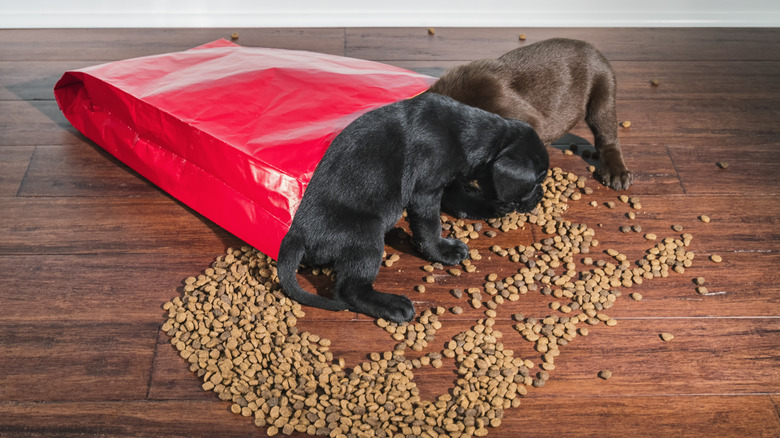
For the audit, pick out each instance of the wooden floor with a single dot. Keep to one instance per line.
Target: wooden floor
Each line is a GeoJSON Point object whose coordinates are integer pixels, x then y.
{"type": "Point", "coordinates": [89, 251]}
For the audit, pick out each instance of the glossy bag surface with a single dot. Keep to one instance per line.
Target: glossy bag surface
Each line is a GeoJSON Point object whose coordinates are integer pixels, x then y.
{"type": "Point", "coordinates": [233, 132]}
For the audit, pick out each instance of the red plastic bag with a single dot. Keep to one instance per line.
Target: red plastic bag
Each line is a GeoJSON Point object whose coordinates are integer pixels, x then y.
{"type": "Point", "coordinates": [233, 132]}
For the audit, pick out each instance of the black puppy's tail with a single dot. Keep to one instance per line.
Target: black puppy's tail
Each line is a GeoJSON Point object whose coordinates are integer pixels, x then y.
{"type": "Point", "coordinates": [290, 255]}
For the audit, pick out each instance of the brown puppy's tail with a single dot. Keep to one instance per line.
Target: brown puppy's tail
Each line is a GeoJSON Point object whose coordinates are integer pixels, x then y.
{"type": "Point", "coordinates": [290, 256]}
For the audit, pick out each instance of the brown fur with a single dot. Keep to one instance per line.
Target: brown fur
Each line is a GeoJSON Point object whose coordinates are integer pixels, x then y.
{"type": "Point", "coordinates": [551, 85]}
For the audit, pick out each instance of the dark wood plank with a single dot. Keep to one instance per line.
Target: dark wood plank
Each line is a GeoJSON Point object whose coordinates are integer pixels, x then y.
{"type": "Point", "coordinates": [683, 416]}
{"type": "Point", "coordinates": [661, 44]}
{"type": "Point", "coordinates": [83, 170]}
{"type": "Point", "coordinates": [94, 288]}
{"type": "Point", "coordinates": [14, 161]}
{"type": "Point", "coordinates": [108, 226]}
{"type": "Point", "coordinates": [27, 123]}
{"type": "Point", "coordinates": [751, 165]}
{"type": "Point", "coordinates": [115, 44]}
{"type": "Point", "coordinates": [34, 80]}
{"type": "Point", "coordinates": [72, 361]}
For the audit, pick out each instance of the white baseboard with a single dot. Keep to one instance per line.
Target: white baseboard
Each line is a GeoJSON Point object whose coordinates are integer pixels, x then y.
{"type": "Point", "coordinates": [587, 14]}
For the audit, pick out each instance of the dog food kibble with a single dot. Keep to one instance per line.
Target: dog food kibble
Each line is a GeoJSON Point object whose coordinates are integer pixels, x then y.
{"type": "Point", "coordinates": [234, 36]}
{"type": "Point", "coordinates": [677, 227]}
{"type": "Point", "coordinates": [654, 82]}
{"type": "Point", "coordinates": [521, 37]}
{"type": "Point", "coordinates": [704, 218]}
{"type": "Point", "coordinates": [625, 229]}
{"type": "Point", "coordinates": [431, 31]}
{"type": "Point", "coordinates": [610, 204]}
{"type": "Point", "coordinates": [702, 290]}
{"type": "Point", "coordinates": [605, 374]}
{"type": "Point", "coordinates": [716, 258]}
{"type": "Point", "coordinates": [722, 164]}
{"type": "Point", "coordinates": [698, 281]}
{"type": "Point", "coordinates": [238, 331]}
{"type": "Point", "coordinates": [455, 272]}
{"type": "Point", "coordinates": [650, 236]}
{"type": "Point", "coordinates": [666, 337]}
{"type": "Point", "coordinates": [636, 228]}
{"type": "Point", "coordinates": [625, 124]}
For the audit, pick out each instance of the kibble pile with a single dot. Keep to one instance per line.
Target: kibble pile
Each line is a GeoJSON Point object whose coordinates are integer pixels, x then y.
{"type": "Point", "coordinates": [238, 331]}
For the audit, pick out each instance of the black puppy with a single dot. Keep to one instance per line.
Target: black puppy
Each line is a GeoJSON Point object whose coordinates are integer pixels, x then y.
{"type": "Point", "coordinates": [402, 156]}
{"type": "Point", "coordinates": [551, 85]}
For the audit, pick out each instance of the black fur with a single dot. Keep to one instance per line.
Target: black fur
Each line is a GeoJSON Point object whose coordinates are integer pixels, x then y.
{"type": "Point", "coordinates": [402, 156]}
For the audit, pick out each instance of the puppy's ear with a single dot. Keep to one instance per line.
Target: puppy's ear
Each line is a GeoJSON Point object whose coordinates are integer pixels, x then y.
{"type": "Point", "coordinates": [513, 174]}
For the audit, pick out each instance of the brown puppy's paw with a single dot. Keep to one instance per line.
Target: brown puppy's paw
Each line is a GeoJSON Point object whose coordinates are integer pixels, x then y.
{"type": "Point", "coordinates": [616, 179]}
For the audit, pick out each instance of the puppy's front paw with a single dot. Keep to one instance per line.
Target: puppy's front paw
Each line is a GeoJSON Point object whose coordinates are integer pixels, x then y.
{"type": "Point", "coordinates": [616, 179]}
{"type": "Point", "coordinates": [396, 308]}
{"type": "Point", "coordinates": [450, 251]}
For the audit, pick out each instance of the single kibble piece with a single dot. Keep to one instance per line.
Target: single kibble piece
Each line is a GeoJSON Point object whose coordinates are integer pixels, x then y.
{"type": "Point", "coordinates": [605, 374]}
{"type": "Point", "coordinates": [636, 228]}
{"type": "Point", "coordinates": [677, 227]}
{"type": "Point", "coordinates": [716, 258]}
{"type": "Point", "coordinates": [636, 296]}
{"type": "Point", "coordinates": [457, 293]}
{"type": "Point", "coordinates": [698, 281]}
{"type": "Point", "coordinates": [654, 82]}
{"type": "Point", "coordinates": [610, 204]}
{"type": "Point", "coordinates": [568, 152]}
{"type": "Point", "coordinates": [521, 37]}
{"type": "Point", "coordinates": [702, 290]}
{"type": "Point", "coordinates": [722, 164]}
{"type": "Point", "coordinates": [625, 124]}
{"type": "Point", "coordinates": [650, 236]}
{"type": "Point", "coordinates": [625, 229]}
{"type": "Point", "coordinates": [234, 36]}
{"type": "Point", "coordinates": [457, 310]}
{"type": "Point", "coordinates": [666, 337]}
{"type": "Point", "coordinates": [431, 31]}
{"type": "Point", "coordinates": [429, 279]}
{"type": "Point", "coordinates": [704, 218]}
{"type": "Point", "coordinates": [420, 288]}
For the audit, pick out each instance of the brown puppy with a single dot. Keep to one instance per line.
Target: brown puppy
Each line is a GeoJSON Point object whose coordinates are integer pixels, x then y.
{"type": "Point", "coordinates": [551, 85]}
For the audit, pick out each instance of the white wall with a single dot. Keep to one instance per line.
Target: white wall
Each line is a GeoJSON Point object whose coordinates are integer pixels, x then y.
{"type": "Point", "coordinates": [366, 13]}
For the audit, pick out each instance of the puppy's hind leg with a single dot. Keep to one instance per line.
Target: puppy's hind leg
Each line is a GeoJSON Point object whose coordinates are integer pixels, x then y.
{"type": "Point", "coordinates": [602, 121]}
{"type": "Point", "coordinates": [355, 275]}
{"type": "Point", "coordinates": [423, 215]}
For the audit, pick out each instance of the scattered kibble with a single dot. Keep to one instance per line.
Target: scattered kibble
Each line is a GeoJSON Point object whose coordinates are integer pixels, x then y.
{"type": "Point", "coordinates": [605, 374]}
{"type": "Point", "coordinates": [625, 124]}
{"type": "Point", "coordinates": [702, 290]}
{"type": "Point", "coordinates": [704, 218]}
{"type": "Point", "coordinates": [654, 82]}
{"type": "Point", "coordinates": [666, 337]}
{"type": "Point", "coordinates": [636, 296]}
{"type": "Point", "coordinates": [234, 36]}
{"type": "Point", "coordinates": [699, 281]}
{"type": "Point", "coordinates": [650, 236]}
{"type": "Point", "coordinates": [722, 164]}
{"type": "Point", "coordinates": [431, 31]}
{"type": "Point", "coordinates": [677, 227]}
{"type": "Point", "coordinates": [420, 288]}
{"type": "Point", "coordinates": [716, 258]}
{"type": "Point", "coordinates": [238, 330]}
{"type": "Point", "coordinates": [521, 37]}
